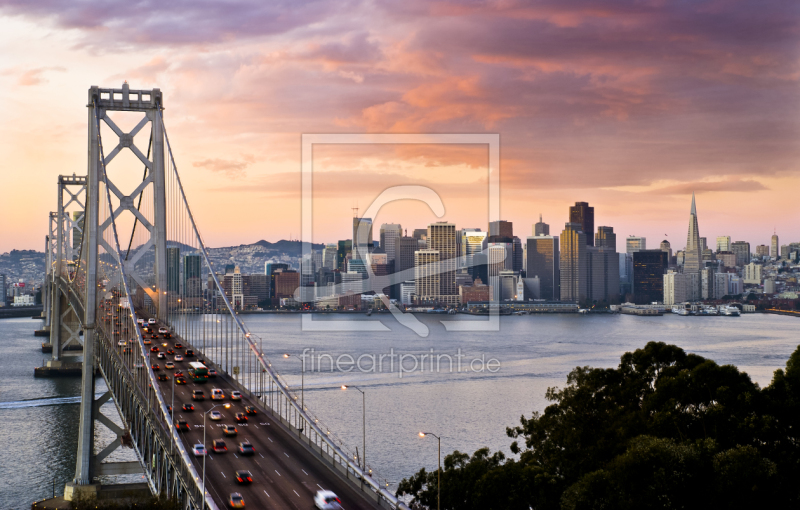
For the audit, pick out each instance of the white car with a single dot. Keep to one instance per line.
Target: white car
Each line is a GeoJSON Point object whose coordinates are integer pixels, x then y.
{"type": "Point", "coordinates": [161, 355]}
{"type": "Point", "coordinates": [327, 500]}
{"type": "Point", "coordinates": [215, 415]}
{"type": "Point", "coordinates": [122, 343]}
{"type": "Point", "coordinates": [170, 365]}
{"type": "Point", "coordinates": [178, 357]}
{"type": "Point", "coordinates": [151, 320]}
{"type": "Point", "coordinates": [162, 330]}
{"type": "Point", "coordinates": [138, 365]}
{"type": "Point", "coordinates": [198, 450]}
{"type": "Point", "coordinates": [140, 321]}
{"type": "Point", "coordinates": [235, 395]}
{"type": "Point", "coordinates": [217, 394]}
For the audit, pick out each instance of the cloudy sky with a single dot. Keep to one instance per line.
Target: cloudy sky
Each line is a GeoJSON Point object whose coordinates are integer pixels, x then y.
{"type": "Point", "coordinates": [629, 105]}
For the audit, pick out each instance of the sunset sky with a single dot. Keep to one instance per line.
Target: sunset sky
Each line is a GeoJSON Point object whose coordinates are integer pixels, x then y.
{"type": "Point", "coordinates": [628, 105]}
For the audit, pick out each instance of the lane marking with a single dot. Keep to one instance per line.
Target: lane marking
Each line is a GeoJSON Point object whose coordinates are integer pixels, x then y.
{"type": "Point", "coordinates": [267, 493]}
{"type": "Point", "coordinates": [304, 471]}
{"type": "Point", "coordinates": [270, 440]}
{"type": "Point", "coordinates": [277, 472]}
{"type": "Point", "coordinates": [223, 474]}
{"type": "Point", "coordinates": [298, 495]}
{"type": "Point", "coordinates": [287, 455]}
{"type": "Point", "coordinates": [235, 455]}
{"type": "Point", "coordinates": [320, 487]}
{"type": "Point", "coordinates": [261, 455]}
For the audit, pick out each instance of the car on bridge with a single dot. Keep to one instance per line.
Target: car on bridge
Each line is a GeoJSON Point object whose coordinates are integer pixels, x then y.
{"type": "Point", "coordinates": [217, 394]}
{"type": "Point", "coordinates": [244, 477]}
{"type": "Point", "coordinates": [163, 377]}
{"type": "Point", "coordinates": [147, 341]}
{"type": "Point", "coordinates": [236, 395]}
{"type": "Point", "coordinates": [151, 320]}
{"type": "Point", "coordinates": [161, 355]}
{"type": "Point", "coordinates": [189, 353]}
{"type": "Point", "coordinates": [182, 425]}
{"type": "Point", "coordinates": [219, 446]}
{"type": "Point", "coordinates": [188, 407]}
{"type": "Point", "coordinates": [122, 343]}
{"type": "Point", "coordinates": [250, 410]}
{"type": "Point", "coordinates": [127, 350]}
{"type": "Point", "coordinates": [178, 357]}
{"type": "Point", "coordinates": [154, 348]}
{"type": "Point", "coordinates": [180, 380]}
{"type": "Point", "coordinates": [199, 450]}
{"type": "Point", "coordinates": [155, 366]}
{"type": "Point", "coordinates": [327, 500]}
{"type": "Point", "coordinates": [138, 365]}
{"type": "Point", "coordinates": [170, 352]}
{"type": "Point", "coordinates": [170, 365]}
{"type": "Point", "coordinates": [235, 500]}
{"type": "Point", "coordinates": [215, 415]}
{"type": "Point", "coordinates": [139, 321]}
{"type": "Point", "coordinates": [240, 417]}
{"type": "Point", "coordinates": [178, 346]}
{"type": "Point", "coordinates": [154, 336]}
{"type": "Point", "coordinates": [246, 448]}
{"type": "Point", "coordinates": [229, 430]}
{"type": "Point", "coordinates": [212, 372]}
{"type": "Point", "coordinates": [198, 395]}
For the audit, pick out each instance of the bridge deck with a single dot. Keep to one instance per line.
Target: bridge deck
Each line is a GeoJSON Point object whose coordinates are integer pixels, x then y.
{"type": "Point", "coordinates": [285, 474]}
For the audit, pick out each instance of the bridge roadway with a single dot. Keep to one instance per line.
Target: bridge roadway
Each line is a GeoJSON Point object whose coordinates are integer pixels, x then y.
{"type": "Point", "coordinates": [285, 474]}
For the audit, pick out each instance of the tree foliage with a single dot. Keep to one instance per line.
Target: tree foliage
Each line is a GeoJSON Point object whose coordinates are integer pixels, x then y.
{"type": "Point", "coordinates": [665, 429]}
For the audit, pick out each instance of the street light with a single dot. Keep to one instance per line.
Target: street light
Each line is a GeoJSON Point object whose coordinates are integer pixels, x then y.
{"type": "Point", "coordinates": [205, 451]}
{"type": "Point", "coordinates": [439, 482]}
{"type": "Point", "coordinates": [363, 424]}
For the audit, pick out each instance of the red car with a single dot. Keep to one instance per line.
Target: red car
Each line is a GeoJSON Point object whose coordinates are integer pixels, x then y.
{"type": "Point", "coordinates": [218, 445]}
{"type": "Point", "coordinates": [178, 374]}
{"type": "Point", "coordinates": [240, 417]}
{"type": "Point", "coordinates": [154, 349]}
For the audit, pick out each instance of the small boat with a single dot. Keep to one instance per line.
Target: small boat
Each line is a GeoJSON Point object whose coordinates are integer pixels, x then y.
{"type": "Point", "coordinates": [732, 311]}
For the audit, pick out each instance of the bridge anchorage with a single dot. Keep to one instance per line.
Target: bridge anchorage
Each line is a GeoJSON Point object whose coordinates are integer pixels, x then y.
{"type": "Point", "coordinates": [123, 248]}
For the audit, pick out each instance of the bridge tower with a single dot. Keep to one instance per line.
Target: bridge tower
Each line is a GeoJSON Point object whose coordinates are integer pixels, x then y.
{"type": "Point", "coordinates": [152, 189]}
{"type": "Point", "coordinates": [63, 255]}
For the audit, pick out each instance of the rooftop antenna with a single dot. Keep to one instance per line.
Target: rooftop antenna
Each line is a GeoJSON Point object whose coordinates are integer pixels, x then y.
{"type": "Point", "coordinates": [355, 210]}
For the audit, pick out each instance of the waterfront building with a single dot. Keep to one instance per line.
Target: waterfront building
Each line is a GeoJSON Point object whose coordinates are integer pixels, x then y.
{"type": "Point", "coordinates": [675, 288]}
{"type": "Point", "coordinates": [480, 268]}
{"type": "Point", "coordinates": [255, 286]}
{"type": "Point", "coordinates": [649, 267]}
{"type": "Point", "coordinates": [572, 263]}
{"type": "Point", "coordinates": [735, 285]}
{"type": "Point", "coordinates": [752, 273]}
{"type": "Point", "coordinates": [541, 228]}
{"type": "Point", "coordinates": [583, 215]}
{"type": "Point", "coordinates": [543, 263]}
{"type": "Point", "coordinates": [427, 276]}
{"type": "Point", "coordinates": [762, 250]}
{"type": "Point", "coordinates": [723, 243]}
{"type": "Point", "coordinates": [352, 282]}
{"type": "Point", "coordinates": [478, 292]}
{"type": "Point", "coordinates": [508, 285]}
{"type": "Point", "coordinates": [742, 251]}
{"type": "Point", "coordinates": [602, 274]}
{"type": "Point", "coordinates": [774, 246]}
{"type": "Point", "coordinates": [707, 282]}
{"type": "Point", "coordinates": [192, 283]}
{"type": "Point", "coordinates": [634, 244]}
{"type": "Point", "coordinates": [388, 238]}
{"type": "Point", "coordinates": [516, 250]}
{"type": "Point", "coordinates": [769, 286]}
{"type": "Point", "coordinates": [500, 256]}
{"type": "Point", "coordinates": [270, 269]}
{"type": "Point", "coordinates": [343, 250]}
{"type": "Point", "coordinates": [407, 291]}
{"type": "Point", "coordinates": [501, 228]}
{"type": "Point", "coordinates": [625, 273]}
{"type": "Point", "coordinates": [605, 238]}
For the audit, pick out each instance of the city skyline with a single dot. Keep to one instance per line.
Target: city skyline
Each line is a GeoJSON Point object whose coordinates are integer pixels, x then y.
{"type": "Point", "coordinates": [605, 119]}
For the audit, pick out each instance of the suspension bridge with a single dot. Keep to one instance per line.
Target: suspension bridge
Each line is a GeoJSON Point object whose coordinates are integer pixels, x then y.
{"type": "Point", "coordinates": [124, 248]}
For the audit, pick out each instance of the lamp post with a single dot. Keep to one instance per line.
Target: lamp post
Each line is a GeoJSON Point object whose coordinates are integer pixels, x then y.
{"type": "Point", "coordinates": [439, 482]}
{"type": "Point", "coordinates": [363, 425]}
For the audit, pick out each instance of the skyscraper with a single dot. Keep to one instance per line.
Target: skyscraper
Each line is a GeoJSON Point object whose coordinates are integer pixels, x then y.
{"type": "Point", "coordinates": [602, 274]}
{"type": "Point", "coordinates": [543, 262]}
{"type": "Point", "coordinates": [427, 277]}
{"type": "Point", "coordinates": [362, 233]}
{"type": "Point", "coordinates": [541, 228]}
{"type": "Point", "coordinates": [389, 233]}
{"type": "Point", "coordinates": [516, 261]}
{"type": "Point", "coordinates": [442, 238]}
{"type": "Point", "coordinates": [174, 270]}
{"type": "Point", "coordinates": [329, 256]}
{"type": "Point", "coordinates": [634, 244]}
{"type": "Point", "coordinates": [774, 247]}
{"type": "Point", "coordinates": [404, 253]}
{"type": "Point", "coordinates": [501, 228]}
{"type": "Point", "coordinates": [192, 284]}
{"type": "Point", "coordinates": [693, 254]}
{"type": "Point", "coordinates": [649, 267]}
{"type": "Point", "coordinates": [472, 243]}
{"type": "Point", "coordinates": [723, 243]}
{"type": "Point", "coordinates": [344, 249]}
{"type": "Point", "coordinates": [605, 238]}
{"type": "Point", "coordinates": [572, 264]}
{"type": "Point", "coordinates": [666, 247]}
{"type": "Point", "coordinates": [582, 214]}
{"type": "Point", "coordinates": [742, 251]}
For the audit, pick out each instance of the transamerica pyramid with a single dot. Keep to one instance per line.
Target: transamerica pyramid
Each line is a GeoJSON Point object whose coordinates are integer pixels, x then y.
{"type": "Point", "coordinates": [693, 254]}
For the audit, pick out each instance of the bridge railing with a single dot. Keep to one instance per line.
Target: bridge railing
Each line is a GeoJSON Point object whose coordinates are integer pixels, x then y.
{"type": "Point", "coordinates": [219, 333]}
